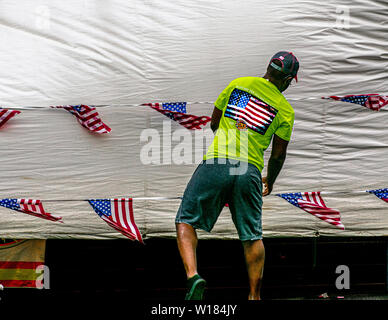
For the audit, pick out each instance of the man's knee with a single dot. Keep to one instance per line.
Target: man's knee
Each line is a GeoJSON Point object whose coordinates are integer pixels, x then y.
{"type": "Point", "coordinates": [254, 249]}
{"type": "Point", "coordinates": [253, 243]}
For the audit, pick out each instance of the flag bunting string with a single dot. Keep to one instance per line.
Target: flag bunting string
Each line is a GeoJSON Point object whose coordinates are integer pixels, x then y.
{"type": "Point", "coordinates": [205, 102]}
{"type": "Point", "coordinates": [179, 197]}
{"type": "Point", "coordinates": [118, 212]}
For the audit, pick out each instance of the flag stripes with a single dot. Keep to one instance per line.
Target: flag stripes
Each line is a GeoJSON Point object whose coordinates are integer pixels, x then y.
{"type": "Point", "coordinates": [88, 117]}
{"type": "Point", "coordinates": [18, 283]}
{"type": "Point", "coordinates": [35, 208]}
{"type": "Point", "coordinates": [257, 114]}
{"type": "Point", "coordinates": [29, 206]}
{"type": "Point", "coordinates": [312, 202]}
{"type": "Point", "coordinates": [118, 213]}
{"type": "Point", "coordinates": [6, 114]}
{"type": "Point", "coordinates": [19, 262]}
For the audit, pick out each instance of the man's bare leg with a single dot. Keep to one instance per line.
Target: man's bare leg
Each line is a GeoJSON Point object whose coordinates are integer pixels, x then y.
{"type": "Point", "coordinates": [254, 256]}
{"type": "Point", "coordinates": [187, 245]}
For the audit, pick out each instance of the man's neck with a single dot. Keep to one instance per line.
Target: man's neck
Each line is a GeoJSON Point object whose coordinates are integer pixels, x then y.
{"type": "Point", "coordinates": [274, 82]}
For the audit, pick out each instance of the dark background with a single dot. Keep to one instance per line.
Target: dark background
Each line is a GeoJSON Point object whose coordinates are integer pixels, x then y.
{"type": "Point", "coordinates": [294, 267]}
{"type": "Point", "coordinates": [121, 276]}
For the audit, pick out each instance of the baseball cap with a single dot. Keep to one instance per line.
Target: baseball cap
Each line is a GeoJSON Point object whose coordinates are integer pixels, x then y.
{"type": "Point", "coordinates": [289, 63]}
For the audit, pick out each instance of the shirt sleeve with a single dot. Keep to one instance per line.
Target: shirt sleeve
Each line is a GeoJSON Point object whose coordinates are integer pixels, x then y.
{"type": "Point", "coordinates": [284, 131]}
{"type": "Point", "coordinates": [223, 98]}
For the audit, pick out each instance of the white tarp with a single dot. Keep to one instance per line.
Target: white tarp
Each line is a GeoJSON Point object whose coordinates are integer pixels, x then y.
{"type": "Point", "coordinates": [123, 53]}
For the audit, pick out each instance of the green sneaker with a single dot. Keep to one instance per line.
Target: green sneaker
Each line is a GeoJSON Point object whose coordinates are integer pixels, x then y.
{"type": "Point", "coordinates": [196, 287]}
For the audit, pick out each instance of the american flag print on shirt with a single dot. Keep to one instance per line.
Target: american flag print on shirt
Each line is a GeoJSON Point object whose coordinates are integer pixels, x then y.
{"type": "Point", "coordinates": [6, 114]}
{"type": "Point", "coordinates": [118, 213]}
{"type": "Point", "coordinates": [29, 206]}
{"type": "Point", "coordinates": [254, 112]}
{"type": "Point", "coordinates": [189, 121]}
{"type": "Point", "coordinates": [380, 193]}
{"type": "Point", "coordinates": [312, 202]}
{"type": "Point", "coordinates": [371, 101]}
{"type": "Point", "coordinates": [88, 117]}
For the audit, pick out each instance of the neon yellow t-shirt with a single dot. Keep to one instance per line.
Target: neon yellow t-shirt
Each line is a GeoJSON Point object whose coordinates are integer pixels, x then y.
{"type": "Point", "coordinates": [253, 111]}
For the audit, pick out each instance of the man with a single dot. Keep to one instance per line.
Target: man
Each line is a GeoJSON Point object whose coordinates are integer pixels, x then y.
{"type": "Point", "coordinates": [248, 113]}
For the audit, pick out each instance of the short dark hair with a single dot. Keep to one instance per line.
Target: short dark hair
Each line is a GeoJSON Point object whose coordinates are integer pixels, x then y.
{"type": "Point", "coordinates": [276, 74]}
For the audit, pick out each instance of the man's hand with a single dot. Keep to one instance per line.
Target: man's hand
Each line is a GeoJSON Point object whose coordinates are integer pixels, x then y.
{"type": "Point", "coordinates": [267, 188]}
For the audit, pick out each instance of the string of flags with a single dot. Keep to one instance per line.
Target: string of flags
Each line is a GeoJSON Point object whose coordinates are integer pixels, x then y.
{"type": "Point", "coordinates": [118, 212]}
{"type": "Point", "coordinates": [290, 98]}
{"type": "Point", "coordinates": [313, 203]}
{"type": "Point", "coordinates": [177, 112]}
{"type": "Point", "coordinates": [89, 118]}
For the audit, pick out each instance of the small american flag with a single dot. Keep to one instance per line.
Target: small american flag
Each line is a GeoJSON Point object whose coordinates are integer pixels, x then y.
{"type": "Point", "coordinates": [372, 101]}
{"type": "Point", "coordinates": [29, 206]}
{"type": "Point", "coordinates": [380, 193]}
{"type": "Point", "coordinates": [189, 121]}
{"type": "Point", "coordinates": [88, 117]}
{"type": "Point", "coordinates": [174, 106]}
{"type": "Point", "coordinates": [118, 213]}
{"type": "Point", "coordinates": [313, 203]}
{"type": "Point", "coordinates": [6, 114]}
{"type": "Point", "coordinates": [254, 112]}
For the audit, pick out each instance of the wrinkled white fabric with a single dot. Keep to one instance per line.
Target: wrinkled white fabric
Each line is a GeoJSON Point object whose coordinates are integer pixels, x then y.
{"type": "Point", "coordinates": [122, 53]}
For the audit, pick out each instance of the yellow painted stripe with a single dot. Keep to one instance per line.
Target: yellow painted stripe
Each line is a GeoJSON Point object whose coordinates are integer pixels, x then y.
{"type": "Point", "coordinates": [18, 274]}
{"type": "Point", "coordinates": [28, 250]}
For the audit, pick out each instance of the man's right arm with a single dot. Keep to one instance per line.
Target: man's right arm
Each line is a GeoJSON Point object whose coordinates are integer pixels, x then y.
{"type": "Point", "coordinates": [216, 117]}
{"type": "Point", "coordinates": [275, 163]}
{"type": "Point", "coordinates": [220, 105]}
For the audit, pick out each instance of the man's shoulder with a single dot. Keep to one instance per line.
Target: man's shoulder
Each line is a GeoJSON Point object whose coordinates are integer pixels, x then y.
{"type": "Point", "coordinates": [286, 105]}
{"type": "Point", "coordinates": [285, 110]}
{"type": "Point", "coordinates": [252, 85]}
{"type": "Point", "coordinates": [245, 80]}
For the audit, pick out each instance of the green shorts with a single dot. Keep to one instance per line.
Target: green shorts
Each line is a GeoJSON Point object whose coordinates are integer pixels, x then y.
{"type": "Point", "coordinates": [216, 182]}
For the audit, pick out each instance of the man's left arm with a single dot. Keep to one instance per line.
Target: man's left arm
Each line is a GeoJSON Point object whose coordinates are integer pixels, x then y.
{"type": "Point", "coordinates": [275, 163]}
